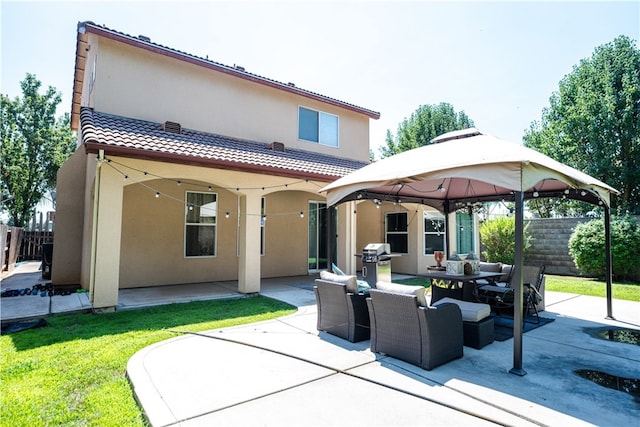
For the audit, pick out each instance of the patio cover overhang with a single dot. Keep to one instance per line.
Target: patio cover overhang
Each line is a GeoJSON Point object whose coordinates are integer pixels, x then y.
{"type": "Point", "coordinates": [466, 167]}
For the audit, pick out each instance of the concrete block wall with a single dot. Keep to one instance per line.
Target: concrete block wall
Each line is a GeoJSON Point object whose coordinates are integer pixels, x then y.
{"type": "Point", "coordinates": [550, 244]}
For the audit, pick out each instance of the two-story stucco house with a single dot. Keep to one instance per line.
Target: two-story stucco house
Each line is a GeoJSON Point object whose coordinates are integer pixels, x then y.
{"type": "Point", "coordinates": [191, 171]}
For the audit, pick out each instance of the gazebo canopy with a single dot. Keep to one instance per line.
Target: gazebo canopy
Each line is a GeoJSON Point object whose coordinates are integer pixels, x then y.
{"type": "Point", "coordinates": [463, 167]}
{"type": "Point", "coordinates": [466, 167]}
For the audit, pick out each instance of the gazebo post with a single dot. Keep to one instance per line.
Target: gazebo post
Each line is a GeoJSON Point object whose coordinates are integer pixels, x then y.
{"type": "Point", "coordinates": [447, 239]}
{"type": "Point", "coordinates": [608, 260]}
{"type": "Point", "coordinates": [330, 236]}
{"type": "Point", "coordinates": [517, 281]}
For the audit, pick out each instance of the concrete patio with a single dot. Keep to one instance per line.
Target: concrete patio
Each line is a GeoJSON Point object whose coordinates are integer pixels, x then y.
{"type": "Point", "coordinates": [283, 372]}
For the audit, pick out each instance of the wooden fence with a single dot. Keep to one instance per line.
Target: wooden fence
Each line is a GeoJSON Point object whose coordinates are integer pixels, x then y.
{"type": "Point", "coordinates": [32, 241]}
{"type": "Point", "coordinates": [17, 245]}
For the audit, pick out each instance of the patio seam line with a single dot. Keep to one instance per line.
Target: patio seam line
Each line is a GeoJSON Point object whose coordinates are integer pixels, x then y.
{"type": "Point", "coordinates": [580, 348]}
{"type": "Point", "coordinates": [477, 399]}
{"type": "Point", "coordinates": [387, 386]}
{"type": "Point", "coordinates": [213, 411]}
{"type": "Point", "coordinates": [153, 384]}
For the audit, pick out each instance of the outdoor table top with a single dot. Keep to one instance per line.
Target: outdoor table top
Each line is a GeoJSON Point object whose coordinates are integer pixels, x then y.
{"type": "Point", "coordinates": [442, 275]}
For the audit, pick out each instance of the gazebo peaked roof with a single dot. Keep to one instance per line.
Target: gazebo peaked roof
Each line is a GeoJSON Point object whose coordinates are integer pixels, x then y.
{"type": "Point", "coordinates": [468, 166]}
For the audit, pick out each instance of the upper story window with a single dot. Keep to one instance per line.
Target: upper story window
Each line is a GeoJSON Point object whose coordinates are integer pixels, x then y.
{"type": "Point", "coordinates": [318, 127]}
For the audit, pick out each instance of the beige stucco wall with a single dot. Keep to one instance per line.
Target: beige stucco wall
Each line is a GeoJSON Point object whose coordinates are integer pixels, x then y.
{"type": "Point", "coordinates": [371, 223]}
{"type": "Point", "coordinates": [286, 248]}
{"type": "Point", "coordinates": [152, 243]}
{"type": "Point", "coordinates": [135, 83]}
{"type": "Point", "coordinates": [69, 221]}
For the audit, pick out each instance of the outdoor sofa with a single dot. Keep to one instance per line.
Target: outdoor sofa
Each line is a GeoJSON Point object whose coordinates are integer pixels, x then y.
{"type": "Point", "coordinates": [403, 326]}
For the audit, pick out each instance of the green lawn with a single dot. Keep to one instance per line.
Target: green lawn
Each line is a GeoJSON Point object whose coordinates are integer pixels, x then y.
{"type": "Point", "coordinates": [572, 285]}
{"type": "Point", "coordinates": [72, 372]}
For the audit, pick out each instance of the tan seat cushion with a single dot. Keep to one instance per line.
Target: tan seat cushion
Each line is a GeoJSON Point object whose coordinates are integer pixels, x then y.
{"type": "Point", "coordinates": [471, 311]}
{"type": "Point", "coordinates": [350, 281]}
{"type": "Point", "coordinates": [396, 288]}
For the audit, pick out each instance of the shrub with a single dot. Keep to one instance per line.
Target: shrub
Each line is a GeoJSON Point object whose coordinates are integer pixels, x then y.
{"type": "Point", "coordinates": [587, 247]}
{"type": "Point", "coordinates": [498, 238]}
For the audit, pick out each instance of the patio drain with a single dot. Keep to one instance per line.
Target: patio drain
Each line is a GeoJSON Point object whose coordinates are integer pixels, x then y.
{"type": "Point", "coordinates": [627, 385]}
{"type": "Point", "coordinates": [623, 335]}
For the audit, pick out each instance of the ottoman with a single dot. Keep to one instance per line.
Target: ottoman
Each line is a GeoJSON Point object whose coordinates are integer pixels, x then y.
{"type": "Point", "coordinates": [477, 325]}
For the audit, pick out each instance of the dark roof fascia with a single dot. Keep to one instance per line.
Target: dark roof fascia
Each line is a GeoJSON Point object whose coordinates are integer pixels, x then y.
{"type": "Point", "coordinates": [141, 154]}
{"type": "Point", "coordinates": [91, 27]}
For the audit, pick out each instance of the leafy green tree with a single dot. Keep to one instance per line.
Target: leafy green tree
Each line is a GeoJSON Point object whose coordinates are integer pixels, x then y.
{"type": "Point", "coordinates": [34, 146]}
{"type": "Point", "coordinates": [427, 122]}
{"type": "Point", "coordinates": [587, 247]}
{"type": "Point", "coordinates": [593, 121]}
{"type": "Point", "coordinates": [498, 238]}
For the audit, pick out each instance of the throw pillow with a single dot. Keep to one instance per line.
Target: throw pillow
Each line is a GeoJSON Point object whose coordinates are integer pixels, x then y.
{"type": "Point", "coordinates": [418, 291]}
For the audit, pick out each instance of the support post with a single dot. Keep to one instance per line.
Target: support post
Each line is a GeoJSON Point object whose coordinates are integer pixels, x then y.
{"type": "Point", "coordinates": [517, 285]}
{"type": "Point", "coordinates": [608, 258]}
{"type": "Point", "coordinates": [330, 236]}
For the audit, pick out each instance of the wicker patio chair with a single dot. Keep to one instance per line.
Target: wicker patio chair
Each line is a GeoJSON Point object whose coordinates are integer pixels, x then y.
{"type": "Point", "coordinates": [423, 336]}
{"type": "Point", "coordinates": [502, 297]}
{"type": "Point", "coordinates": [340, 312]}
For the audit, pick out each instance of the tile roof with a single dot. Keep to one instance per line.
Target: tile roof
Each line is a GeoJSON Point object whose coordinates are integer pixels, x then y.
{"type": "Point", "coordinates": [145, 43]}
{"type": "Point", "coordinates": [143, 139]}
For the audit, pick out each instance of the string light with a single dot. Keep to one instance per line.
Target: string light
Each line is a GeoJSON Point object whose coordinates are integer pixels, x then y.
{"type": "Point", "coordinates": [209, 187]}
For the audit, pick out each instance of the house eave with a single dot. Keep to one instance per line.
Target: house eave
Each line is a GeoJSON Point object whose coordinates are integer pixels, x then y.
{"type": "Point", "coordinates": [141, 154]}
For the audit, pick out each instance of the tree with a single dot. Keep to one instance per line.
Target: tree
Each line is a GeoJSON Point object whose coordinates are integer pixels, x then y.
{"type": "Point", "coordinates": [427, 122]}
{"type": "Point", "coordinates": [34, 144]}
{"type": "Point", "coordinates": [498, 239]}
{"type": "Point", "coordinates": [593, 121]}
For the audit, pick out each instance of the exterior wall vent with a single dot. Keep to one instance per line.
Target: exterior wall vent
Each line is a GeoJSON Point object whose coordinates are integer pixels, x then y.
{"type": "Point", "coordinates": [277, 146]}
{"type": "Point", "coordinates": [172, 127]}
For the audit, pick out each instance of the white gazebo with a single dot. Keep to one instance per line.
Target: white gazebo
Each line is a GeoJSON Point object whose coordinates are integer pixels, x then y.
{"type": "Point", "coordinates": [467, 167]}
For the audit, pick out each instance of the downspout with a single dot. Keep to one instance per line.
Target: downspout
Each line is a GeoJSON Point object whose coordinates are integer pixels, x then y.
{"type": "Point", "coordinates": [94, 227]}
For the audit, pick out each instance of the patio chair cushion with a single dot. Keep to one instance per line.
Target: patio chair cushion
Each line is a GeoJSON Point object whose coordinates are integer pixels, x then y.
{"type": "Point", "coordinates": [396, 288]}
{"type": "Point", "coordinates": [471, 311]}
{"type": "Point", "coordinates": [506, 273]}
{"type": "Point", "coordinates": [492, 267]}
{"type": "Point", "coordinates": [350, 281]}
{"type": "Point", "coordinates": [363, 286]}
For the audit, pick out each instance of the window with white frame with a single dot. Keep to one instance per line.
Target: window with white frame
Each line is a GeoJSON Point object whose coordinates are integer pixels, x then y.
{"type": "Point", "coordinates": [397, 232]}
{"type": "Point", "coordinates": [201, 213]}
{"type": "Point", "coordinates": [317, 126]}
{"type": "Point", "coordinates": [434, 232]}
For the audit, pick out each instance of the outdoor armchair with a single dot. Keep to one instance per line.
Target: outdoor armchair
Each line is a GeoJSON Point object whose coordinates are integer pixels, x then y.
{"type": "Point", "coordinates": [423, 336]}
{"type": "Point", "coordinates": [341, 312]}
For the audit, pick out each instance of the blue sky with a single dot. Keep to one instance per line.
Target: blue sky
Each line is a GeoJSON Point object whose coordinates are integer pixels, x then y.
{"type": "Point", "coordinates": [497, 61]}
